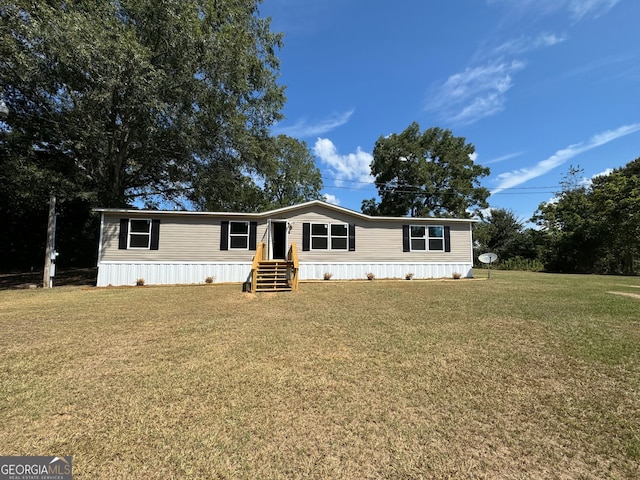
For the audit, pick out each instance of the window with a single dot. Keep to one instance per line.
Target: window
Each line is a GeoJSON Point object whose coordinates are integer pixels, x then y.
{"type": "Point", "coordinates": [329, 236]}
{"type": "Point", "coordinates": [319, 236]}
{"type": "Point", "coordinates": [339, 236]}
{"type": "Point", "coordinates": [139, 233]}
{"type": "Point", "coordinates": [436, 238]}
{"type": "Point", "coordinates": [418, 238]}
{"type": "Point", "coordinates": [239, 235]}
{"type": "Point", "coordinates": [426, 238]}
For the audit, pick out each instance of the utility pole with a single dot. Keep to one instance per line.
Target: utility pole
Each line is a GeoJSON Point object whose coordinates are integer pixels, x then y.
{"type": "Point", "coordinates": [50, 251]}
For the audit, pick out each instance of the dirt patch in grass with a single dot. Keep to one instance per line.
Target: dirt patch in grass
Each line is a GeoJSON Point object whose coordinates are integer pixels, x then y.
{"type": "Point", "coordinates": [627, 294]}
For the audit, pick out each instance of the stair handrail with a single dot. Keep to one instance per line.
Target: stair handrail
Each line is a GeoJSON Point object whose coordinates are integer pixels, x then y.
{"type": "Point", "coordinates": [292, 258]}
{"type": "Point", "coordinates": [257, 258]}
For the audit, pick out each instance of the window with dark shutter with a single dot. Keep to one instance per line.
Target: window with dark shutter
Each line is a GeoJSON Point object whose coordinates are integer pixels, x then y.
{"type": "Point", "coordinates": [253, 235]}
{"type": "Point", "coordinates": [352, 237]}
{"type": "Point", "coordinates": [306, 237]}
{"type": "Point", "coordinates": [405, 238]}
{"type": "Point", "coordinates": [224, 235]}
{"type": "Point", "coordinates": [124, 234]}
{"type": "Point", "coordinates": [447, 239]}
{"type": "Point", "coordinates": [155, 234]}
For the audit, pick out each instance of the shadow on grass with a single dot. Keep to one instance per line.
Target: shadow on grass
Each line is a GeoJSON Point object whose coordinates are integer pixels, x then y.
{"type": "Point", "coordinates": [64, 278]}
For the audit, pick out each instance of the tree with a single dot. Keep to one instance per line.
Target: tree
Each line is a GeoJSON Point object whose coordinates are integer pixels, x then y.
{"type": "Point", "coordinates": [573, 234]}
{"type": "Point", "coordinates": [616, 200]}
{"type": "Point", "coordinates": [500, 232]}
{"type": "Point", "coordinates": [292, 176]}
{"type": "Point", "coordinates": [285, 175]}
{"type": "Point", "coordinates": [114, 101]}
{"type": "Point", "coordinates": [131, 91]}
{"type": "Point", "coordinates": [428, 173]}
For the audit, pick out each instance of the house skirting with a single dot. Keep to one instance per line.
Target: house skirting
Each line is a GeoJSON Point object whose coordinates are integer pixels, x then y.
{"type": "Point", "coordinates": [172, 273]}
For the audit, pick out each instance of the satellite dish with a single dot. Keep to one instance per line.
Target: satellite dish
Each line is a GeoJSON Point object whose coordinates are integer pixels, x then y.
{"type": "Point", "coordinates": [488, 257]}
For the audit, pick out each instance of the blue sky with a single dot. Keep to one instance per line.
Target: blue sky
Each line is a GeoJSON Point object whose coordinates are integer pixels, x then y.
{"type": "Point", "coordinates": [534, 85]}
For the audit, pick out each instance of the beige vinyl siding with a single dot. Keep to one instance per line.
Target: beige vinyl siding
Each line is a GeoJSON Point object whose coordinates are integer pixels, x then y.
{"type": "Point", "coordinates": [182, 239]}
{"type": "Point", "coordinates": [379, 241]}
{"type": "Point", "coordinates": [196, 238]}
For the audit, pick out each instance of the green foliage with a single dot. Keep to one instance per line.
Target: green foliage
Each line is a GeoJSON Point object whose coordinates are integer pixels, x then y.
{"type": "Point", "coordinates": [520, 263]}
{"type": "Point", "coordinates": [594, 229]}
{"type": "Point", "coordinates": [428, 173]}
{"type": "Point", "coordinates": [112, 101]}
{"type": "Point", "coordinates": [502, 233]}
{"type": "Point", "coordinates": [130, 92]}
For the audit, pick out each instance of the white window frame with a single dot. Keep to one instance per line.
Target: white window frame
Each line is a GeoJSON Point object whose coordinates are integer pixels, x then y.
{"type": "Point", "coordinates": [131, 233]}
{"type": "Point", "coordinates": [426, 237]}
{"type": "Point", "coordinates": [234, 235]}
{"type": "Point", "coordinates": [345, 236]}
{"type": "Point", "coordinates": [329, 237]}
{"type": "Point", "coordinates": [441, 238]}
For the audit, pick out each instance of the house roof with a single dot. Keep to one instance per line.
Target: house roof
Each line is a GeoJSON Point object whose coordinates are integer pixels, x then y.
{"type": "Point", "coordinates": [277, 211]}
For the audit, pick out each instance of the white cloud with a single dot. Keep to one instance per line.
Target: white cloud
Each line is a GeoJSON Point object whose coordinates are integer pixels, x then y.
{"type": "Point", "coordinates": [605, 173]}
{"type": "Point", "coordinates": [576, 9]}
{"type": "Point", "coordinates": [332, 199]}
{"type": "Point", "coordinates": [481, 91]}
{"type": "Point", "coordinates": [524, 44]}
{"type": "Point", "coordinates": [590, 8]}
{"type": "Point", "coordinates": [476, 93]}
{"type": "Point", "coordinates": [517, 177]}
{"type": "Point", "coordinates": [303, 129]}
{"type": "Point", "coordinates": [353, 166]}
{"type": "Point", "coordinates": [508, 156]}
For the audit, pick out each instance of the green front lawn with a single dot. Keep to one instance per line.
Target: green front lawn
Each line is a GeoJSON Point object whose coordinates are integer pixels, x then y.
{"type": "Point", "coordinates": [522, 376]}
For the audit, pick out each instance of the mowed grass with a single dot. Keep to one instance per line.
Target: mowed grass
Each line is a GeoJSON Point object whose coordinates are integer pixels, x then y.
{"type": "Point", "coordinates": [521, 376]}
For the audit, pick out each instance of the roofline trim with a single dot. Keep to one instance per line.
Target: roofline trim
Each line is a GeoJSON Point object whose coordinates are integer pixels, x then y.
{"type": "Point", "coordinates": [277, 211]}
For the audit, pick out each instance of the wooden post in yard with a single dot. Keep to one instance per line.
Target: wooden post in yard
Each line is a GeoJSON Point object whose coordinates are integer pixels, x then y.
{"type": "Point", "coordinates": [51, 235]}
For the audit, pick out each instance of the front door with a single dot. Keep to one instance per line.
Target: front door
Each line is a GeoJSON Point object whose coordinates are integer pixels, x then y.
{"type": "Point", "coordinates": [279, 240]}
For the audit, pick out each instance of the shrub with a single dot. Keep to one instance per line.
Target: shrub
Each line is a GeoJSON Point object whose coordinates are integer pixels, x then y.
{"type": "Point", "coordinates": [457, 275]}
{"type": "Point", "coordinates": [140, 282]}
{"type": "Point", "coordinates": [409, 276]}
{"type": "Point", "coordinates": [519, 263]}
{"type": "Point", "coordinates": [327, 275]}
{"type": "Point", "coordinates": [209, 279]}
{"type": "Point", "coordinates": [370, 276]}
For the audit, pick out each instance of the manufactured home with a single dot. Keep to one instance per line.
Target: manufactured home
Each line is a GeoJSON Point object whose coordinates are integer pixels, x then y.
{"type": "Point", "coordinates": [173, 247]}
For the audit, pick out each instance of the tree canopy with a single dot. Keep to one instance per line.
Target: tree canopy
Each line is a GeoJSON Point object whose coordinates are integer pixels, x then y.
{"type": "Point", "coordinates": [428, 173]}
{"type": "Point", "coordinates": [594, 228]}
{"type": "Point", "coordinates": [115, 103]}
{"type": "Point", "coordinates": [132, 95]}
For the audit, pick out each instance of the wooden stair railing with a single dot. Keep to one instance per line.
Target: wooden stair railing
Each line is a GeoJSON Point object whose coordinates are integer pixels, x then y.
{"type": "Point", "coordinates": [294, 266]}
{"type": "Point", "coordinates": [257, 258]}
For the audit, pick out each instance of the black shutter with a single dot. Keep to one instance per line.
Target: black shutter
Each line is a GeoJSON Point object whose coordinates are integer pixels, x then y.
{"type": "Point", "coordinates": [405, 239]}
{"type": "Point", "coordinates": [155, 234]}
{"type": "Point", "coordinates": [447, 239]}
{"type": "Point", "coordinates": [224, 235]}
{"type": "Point", "coordinates": [306, 237]}
{"type": "Point", "coordinates": [253, 234]}
{"type": "Point", "coordinates": [124, 233]}
{"type": "Point", "coordinates": [352, 237]}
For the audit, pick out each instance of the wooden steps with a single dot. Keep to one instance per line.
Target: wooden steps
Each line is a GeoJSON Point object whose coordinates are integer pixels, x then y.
{"type": "Point", "coordinates": [273, 276]}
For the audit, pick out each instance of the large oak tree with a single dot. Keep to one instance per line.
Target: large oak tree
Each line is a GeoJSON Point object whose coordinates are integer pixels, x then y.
{"type": "Point", "coordinates": [428, 173]}
{"type": "Point", "coordinates": [117, 102]}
